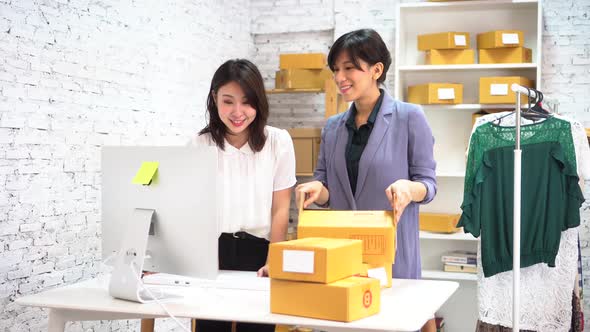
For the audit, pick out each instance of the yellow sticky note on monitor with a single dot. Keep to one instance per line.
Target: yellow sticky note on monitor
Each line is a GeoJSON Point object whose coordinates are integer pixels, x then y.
{"type": "Point", "coordinates": [146, 172]}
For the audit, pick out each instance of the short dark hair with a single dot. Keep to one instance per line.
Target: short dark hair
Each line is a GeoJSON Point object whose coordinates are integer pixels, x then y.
{"type": "Point", "coordinates": [364, 44]}
{"type": "Point", "coordinates": [250, 80]}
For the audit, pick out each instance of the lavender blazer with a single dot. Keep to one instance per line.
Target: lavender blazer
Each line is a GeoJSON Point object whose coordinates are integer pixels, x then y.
{"type": "Point", "coordinates": [400, 147]}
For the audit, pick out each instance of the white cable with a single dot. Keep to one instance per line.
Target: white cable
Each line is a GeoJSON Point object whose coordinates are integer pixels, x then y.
{"type": "Point", "coordinates": [136, 274]}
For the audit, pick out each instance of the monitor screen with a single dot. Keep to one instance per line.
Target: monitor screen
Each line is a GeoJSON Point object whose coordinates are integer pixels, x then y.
{"type": "Point", "coordinates": [182, 195]}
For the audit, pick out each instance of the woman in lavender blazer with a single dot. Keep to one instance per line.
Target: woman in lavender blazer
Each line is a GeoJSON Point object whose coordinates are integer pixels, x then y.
{"type": "Point", "coordinates": [379, 154]}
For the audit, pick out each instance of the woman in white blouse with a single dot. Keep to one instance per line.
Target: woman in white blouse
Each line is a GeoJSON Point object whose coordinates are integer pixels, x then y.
{"type": "Point", "coordinates": [256, 170]}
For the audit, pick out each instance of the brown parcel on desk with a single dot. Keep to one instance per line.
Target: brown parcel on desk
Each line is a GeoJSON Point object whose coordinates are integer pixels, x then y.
{"type": "Point", "coordinates": [344, 300]}
{"type": "Point", "coordinates": [500, 38]}
{"type": "Point", "coordinates": [302, 61]}
{"type": "Point", "coordinates": [443, 40]}
{"type": "Point", "coordinates": [497, 90]}
{"type": "Point", "coordinates": [505, 55]}
{"type": "Point", "coordinates": [302, 78]}
{"type": "Point", "coordinates": [375, 228]}
{"type": "Point", "coordinates": [436, 93]}
{"type": "Point", "coordinates": [314, 259]}
{"type": "Point", "coordinates": [450, 57]}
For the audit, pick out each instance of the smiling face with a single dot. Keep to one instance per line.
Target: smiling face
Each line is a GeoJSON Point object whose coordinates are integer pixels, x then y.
{"type": "Point", "coordinates": [354, 83]}
{"type": "Point", "coordinates": [234, 111]}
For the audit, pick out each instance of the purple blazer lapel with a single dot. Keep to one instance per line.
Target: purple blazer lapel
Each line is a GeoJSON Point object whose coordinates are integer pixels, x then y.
{"type": "Point", "coordinates": [377, 135]}
{"type": "Point", "coordinates": [340, 161]}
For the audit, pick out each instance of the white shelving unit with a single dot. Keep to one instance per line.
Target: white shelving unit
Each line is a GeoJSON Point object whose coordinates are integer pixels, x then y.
{"type": "Point", "coordinates": [451, 124]}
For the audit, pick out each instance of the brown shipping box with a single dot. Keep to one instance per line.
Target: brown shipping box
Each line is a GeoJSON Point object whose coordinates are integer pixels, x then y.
{"type": "Point", "coordinates": [505, 55]}
{"type": "Point", "coordinates": [497, 90]}
{"type": "Point", "coordinates": [500, 38]}
{"type": "Point", "coordinates": [450, 57]}
{"type": "Point", "coordinates": [344, 300]}
{"type": "Point", "coordinates": [436, 93]}
{"type": "Point", "coordinates": [312, 259]}
{"type": "Point", "coordinates": [443, 40]}
{"type": "Point", "coordinates": [302, 61]}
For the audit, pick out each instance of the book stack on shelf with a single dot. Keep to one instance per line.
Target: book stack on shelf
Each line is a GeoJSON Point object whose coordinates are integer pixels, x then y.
{"type": "Point", "coordinates": [460, 261]}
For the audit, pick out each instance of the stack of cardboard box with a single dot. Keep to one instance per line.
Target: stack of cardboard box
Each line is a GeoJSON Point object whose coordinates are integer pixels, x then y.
{"type": "Point", "coordinates": [320, 278]}
{"type": "Point", "coordinates": [501, 46]}
{"type": "Point", "coordinates": [302, 71]}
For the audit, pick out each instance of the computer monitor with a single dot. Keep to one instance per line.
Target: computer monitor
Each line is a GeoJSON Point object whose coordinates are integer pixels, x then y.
{"type": "Point", "coordinates": [178, 207]}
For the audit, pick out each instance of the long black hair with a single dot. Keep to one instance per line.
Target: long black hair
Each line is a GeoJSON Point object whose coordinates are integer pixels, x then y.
{"type": "Point", "coordinates": [250, 80]}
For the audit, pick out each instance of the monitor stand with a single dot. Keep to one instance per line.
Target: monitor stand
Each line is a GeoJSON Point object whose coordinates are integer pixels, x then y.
{"type": "Point", "coordinates": [125, 280]}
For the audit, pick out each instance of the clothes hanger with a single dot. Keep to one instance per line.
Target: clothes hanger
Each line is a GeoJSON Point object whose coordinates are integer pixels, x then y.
{"type": "Point", "coordinates": [533, 113]}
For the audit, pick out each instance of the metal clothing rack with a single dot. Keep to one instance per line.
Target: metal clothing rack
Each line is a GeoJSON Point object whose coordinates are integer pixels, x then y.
{"type": "Point", "coordinates": [516, 217]}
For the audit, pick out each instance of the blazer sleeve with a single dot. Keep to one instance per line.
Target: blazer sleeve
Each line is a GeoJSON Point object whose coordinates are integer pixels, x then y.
{"type": "Point", "coordinates": [422, 166]}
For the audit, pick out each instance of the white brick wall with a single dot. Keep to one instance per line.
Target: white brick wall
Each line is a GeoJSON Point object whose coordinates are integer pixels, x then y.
{"type": "Point", "coordinates": [76, 75]}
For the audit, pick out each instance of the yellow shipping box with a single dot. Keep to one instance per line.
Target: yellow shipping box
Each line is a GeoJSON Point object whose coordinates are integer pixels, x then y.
{"type": "Point", "coordinates": [436, 93]}
{"type": "Point", "coordinates": [450, 57]}
{"type": "Point", "coordinates": [443, 40]}
{"type": "Point", "coordinates": [382, 272]}
{"type": "Point", "coordinates": [375, 228]}
{"type": "Point", "coordinates": [497, 90]}
{"type": "Point", "coordinates": [302, 78]}
{"type": "Point", "coordinates": [344, 300]}
{"type": "Point", "coordinates": [306, 142]}
{"type": "Point", "coordinates": [500, 38]}
{"type": "Point", "coordinates": [506, 55]}
{"type": "Point", "coordinates": [303, 61]}
{"type": "Point", "coordinates": [314, 259]}
{"type": "Point", "coordinates": [439, 222]}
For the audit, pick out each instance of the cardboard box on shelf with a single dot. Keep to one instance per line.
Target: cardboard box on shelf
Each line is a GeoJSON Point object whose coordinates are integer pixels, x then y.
{"type": "Point", "coordinates": [505, 55]}
{"type": "Point", "coordinates": [302, 78]}
{"type": "Point", "coordinates": [344, 300]}
{"type": "Point", "coordinates": [323, 260]}
{"type": "Point", "coordinates": [302, 61]}
{"type": "Point", "coordinates": [443, 40]}
{"type": "Point", "coordinates": [496, 90]}
{"type": "Point", "coordinates": [500, 38]}
{"type": "Point", "coordinates": [306, 142]}
{"type": "Point", "coordinates": [374, 228]}
{"type": "Point", "coordinates": [450, 57]}
{"type": "Point", "coordinates": [436, 93]}
{"type": "Point", "coordinates": [439, 222]}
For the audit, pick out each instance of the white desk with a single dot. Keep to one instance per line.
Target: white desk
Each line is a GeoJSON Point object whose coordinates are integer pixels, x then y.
{"type": "Point", "coordinates": [404, 307]}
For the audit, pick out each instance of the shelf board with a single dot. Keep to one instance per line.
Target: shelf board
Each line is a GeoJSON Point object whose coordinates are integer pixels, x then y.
{"type": "Point", "coordinates": [467, 4]}
{"type": "Point", "coordinates": [452, 236]}
{"type": "Point", "coordinates": [435, 274]}
{"type": "Point", "coordinates": [468, 107]}
{"type": "Point", "coordinates": [307, 175]}
{"type": "Point", "coordinates": [473, 67]}
{"type": "Point", "coordinates": [314, 90]}
{"type": "Point", "coordinates": [450, 174]}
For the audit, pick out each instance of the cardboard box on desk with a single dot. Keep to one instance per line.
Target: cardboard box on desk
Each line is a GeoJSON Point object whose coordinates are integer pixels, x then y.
{"type": "Point", "coordinates": [443, 40]}
{"type": "Point", "coordinates": [436, 93]}
{"type": "Point", "coordinates": [323, 260]}
{"type": "Point", "coordinates": [303, 61]}
{"type": "Point", "coordinates": [496, 90]}
{"type": "Point", "coordinates": [344, 300]}
{"type": "Point", "coordinates": [505, 55]}
{"type": "Point", "coordinates": [375, 228]}
{"type": "Point", "coordinates": [500, 38]}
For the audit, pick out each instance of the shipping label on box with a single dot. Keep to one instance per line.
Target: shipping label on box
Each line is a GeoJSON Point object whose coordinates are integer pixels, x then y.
{"type": "Point", "coordinates": [344, 300]}
{"type": "Point", "coordinates": [374, 228]}
{"type": "Point", "coordinates": [311, 259]}
{"type": "Point", "coordinates": [382, 272]}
